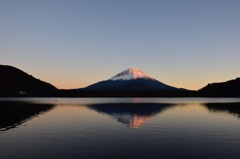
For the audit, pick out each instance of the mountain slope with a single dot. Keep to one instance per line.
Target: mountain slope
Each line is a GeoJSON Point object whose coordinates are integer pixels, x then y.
{"type": "Point", "coordinates": [131, 79]}
{"type": "Point", "coordinates": [15, 82]}
{"type": "Point", "coordinates": [224, 89]}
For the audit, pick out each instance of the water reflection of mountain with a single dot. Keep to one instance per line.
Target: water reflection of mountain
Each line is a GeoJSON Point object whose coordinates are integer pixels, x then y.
{"type": "Point", "coordinates": [231, 108]}
{"type": "Point", "coordinates": [131, 115]}
{"type": "Point", "coordinates": [13, 114]}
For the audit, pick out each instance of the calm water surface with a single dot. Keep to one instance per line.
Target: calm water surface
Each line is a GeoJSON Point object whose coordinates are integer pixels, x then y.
{"type": "Point", "coordinates": [112, 128]}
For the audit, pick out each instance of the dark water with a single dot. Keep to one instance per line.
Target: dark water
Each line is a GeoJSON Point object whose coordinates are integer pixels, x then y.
{"type": "Point", "coordinates": [112, 128]}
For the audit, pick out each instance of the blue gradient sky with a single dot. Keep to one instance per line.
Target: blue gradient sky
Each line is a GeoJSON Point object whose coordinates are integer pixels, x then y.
{"type": "Point", "coordinates": [72, 44]}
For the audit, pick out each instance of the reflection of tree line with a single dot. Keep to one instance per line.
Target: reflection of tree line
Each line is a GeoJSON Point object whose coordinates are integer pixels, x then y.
{"type": "Point", "coordinates": [13, 114]}
{"type": "Point", "coordinates": [231, 108]}
{"type": "Point", "coordinates": [133, 115]}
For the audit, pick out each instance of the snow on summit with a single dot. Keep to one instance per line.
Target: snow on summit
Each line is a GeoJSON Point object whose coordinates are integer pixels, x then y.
{"type": "Point", "coordinates": [130, 74]}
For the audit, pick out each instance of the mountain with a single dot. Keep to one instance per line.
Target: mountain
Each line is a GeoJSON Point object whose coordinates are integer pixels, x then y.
{"type": "Point", "coordinates": [131, 79]}
{"type": "Point", "coordinates": [15, 82]}
{"type": "Point", "coordinates": [224, 89]}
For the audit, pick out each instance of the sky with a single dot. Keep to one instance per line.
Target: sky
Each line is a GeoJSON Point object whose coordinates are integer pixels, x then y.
{"type": "Point", "coordinates": [75, 43]}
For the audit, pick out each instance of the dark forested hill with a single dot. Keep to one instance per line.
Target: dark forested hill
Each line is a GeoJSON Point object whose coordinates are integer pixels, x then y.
{"type": "Point", "coordinates": [224, 89]}
{"type": "Point", "coordinates": [15, 82]}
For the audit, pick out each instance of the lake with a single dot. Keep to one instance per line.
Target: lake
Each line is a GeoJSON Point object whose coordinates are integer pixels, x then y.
{"type": "Point", "coordinates": [110, 128]}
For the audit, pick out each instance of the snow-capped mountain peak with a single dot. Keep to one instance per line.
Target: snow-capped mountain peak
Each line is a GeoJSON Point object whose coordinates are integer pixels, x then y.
{"type": "Point", "coordinates": [131, 79]}
{"type": "Point", "coordinates": [130, 74]}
